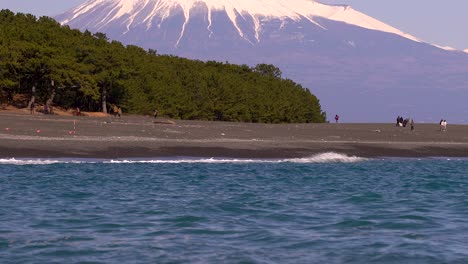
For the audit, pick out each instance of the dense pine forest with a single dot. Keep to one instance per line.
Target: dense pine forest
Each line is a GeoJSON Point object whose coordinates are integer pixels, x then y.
{"type": "Point", "coordinates": [50, 64]}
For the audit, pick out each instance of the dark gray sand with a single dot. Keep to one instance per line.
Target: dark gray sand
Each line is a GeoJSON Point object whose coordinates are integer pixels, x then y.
{"type": "Point", "coordinates": [40, 136]}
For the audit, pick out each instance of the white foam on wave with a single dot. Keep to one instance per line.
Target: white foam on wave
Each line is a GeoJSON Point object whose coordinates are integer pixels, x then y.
{"type": "Point", "coordinates": [20, 162]}
{"type": "Point", "coordinates": [329, 157]}
{"type": "Point", "coordinates": [184, 160]}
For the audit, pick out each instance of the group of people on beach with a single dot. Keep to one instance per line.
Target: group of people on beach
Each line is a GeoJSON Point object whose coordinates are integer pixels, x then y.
{"type": "Point", "coordinates": [403, 122]}
{"type": "Point", "coordinates": [443, 125]}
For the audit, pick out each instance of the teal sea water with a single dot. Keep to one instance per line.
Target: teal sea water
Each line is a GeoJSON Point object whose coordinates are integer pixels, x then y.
{"type": "Point", "coordinates": [326, 209]}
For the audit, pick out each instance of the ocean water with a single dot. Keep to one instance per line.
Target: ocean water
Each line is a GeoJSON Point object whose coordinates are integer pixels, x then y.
{"type": "Point", "coordinates": [328, 208]}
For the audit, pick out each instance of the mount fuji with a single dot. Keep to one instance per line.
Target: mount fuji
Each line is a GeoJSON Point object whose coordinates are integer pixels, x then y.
{"type": "Point", "coordinates": [360, 68]}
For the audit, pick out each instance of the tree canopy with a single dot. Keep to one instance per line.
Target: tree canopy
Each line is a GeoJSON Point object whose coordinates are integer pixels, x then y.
{"type": "Point", "coordinates": [86, 70]}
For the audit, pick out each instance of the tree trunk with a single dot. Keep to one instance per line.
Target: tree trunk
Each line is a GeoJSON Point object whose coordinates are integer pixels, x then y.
{"type": "Point", "coordinates": [51, 99]}
{"type": "Point", "coordinates": [33, 97]}
{"type": "Point", "coordinates": [104, 99]}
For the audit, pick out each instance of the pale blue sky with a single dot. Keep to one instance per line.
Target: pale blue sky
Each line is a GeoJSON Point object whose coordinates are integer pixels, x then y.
{"type": "Point", "coordinates": [439, 22]}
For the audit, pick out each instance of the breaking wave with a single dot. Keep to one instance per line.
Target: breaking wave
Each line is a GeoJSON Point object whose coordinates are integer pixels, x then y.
{"type": "Point", "coordinates": [14, 161]}
{"type": "Point", "coordinates": [329, 157]}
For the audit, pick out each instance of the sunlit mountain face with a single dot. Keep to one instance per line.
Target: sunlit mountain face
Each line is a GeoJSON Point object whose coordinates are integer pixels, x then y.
{"type": "Point", "coordinates": [359, 67]}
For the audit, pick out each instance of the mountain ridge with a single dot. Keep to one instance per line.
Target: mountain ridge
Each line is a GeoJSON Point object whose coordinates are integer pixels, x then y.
{"type": "Point", "coordinates": [258, 10]}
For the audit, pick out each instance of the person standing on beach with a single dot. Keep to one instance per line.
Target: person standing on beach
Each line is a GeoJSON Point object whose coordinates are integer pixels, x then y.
{"type": "Point", "coordinates": [337, 117]}
{"type": "Point", "coordinates": [411, 122]}
{"type": "Point", "coordinates": [155, 114]}
{"type": "Point", "coordinates": [119, 112]}
{"type": "Point", "coordinates": [115, 110]}
{"type": "Point", "coordinates": [32, 108]}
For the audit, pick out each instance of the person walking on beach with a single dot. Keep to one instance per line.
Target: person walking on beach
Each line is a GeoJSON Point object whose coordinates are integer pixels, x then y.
{"type": "Point", "coordinates": [411, 122]}
{"type": "Point", "coordinates": [155, 114]}
{"type": "Point", "coordinates": [115, 110]}
{"type": "Point", "coordinates": [444, 125]}
{"type": "Point", "coordinates": [337, 117]}
{"type": "Point", "coordinates": [119, 112]}
{"type": "Point", "coordinates": [405, 122]}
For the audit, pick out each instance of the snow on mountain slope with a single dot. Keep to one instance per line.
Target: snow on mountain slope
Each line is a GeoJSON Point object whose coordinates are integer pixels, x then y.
{"type": "Point", "coordinates": [466, 50]}
{"type": "Point", "coordinates": [445, 47]}
{"type": "Point", "coordinates": [154, 12]}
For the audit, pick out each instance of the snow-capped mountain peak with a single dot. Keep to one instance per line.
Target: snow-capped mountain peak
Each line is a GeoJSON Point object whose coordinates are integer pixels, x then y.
{"type": "Point", "coordinates": [153, 12]}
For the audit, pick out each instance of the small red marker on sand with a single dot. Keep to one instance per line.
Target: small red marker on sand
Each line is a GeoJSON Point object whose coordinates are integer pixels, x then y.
{"type": "Point", "coordinates": [70, 132]}
{"type": "Point", "coordinates": [38, 131]}
{"type": "Point", "coordinates": [7, 129]}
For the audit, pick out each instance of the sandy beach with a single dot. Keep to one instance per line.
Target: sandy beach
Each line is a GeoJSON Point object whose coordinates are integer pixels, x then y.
{"type": "Point", "coordinates": [46, 136]}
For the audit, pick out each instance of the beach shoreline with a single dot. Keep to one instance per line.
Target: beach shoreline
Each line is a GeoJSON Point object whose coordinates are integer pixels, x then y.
{"type": "Point", "coordinates": [49, 136]}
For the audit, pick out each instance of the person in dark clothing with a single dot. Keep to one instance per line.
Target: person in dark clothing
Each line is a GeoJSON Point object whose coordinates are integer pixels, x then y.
{"type": "Point", "coordinates": [32, 108]}
{"type": "Point", "coordinates": [155, 114]}
{"type": "Point", "coordinates": [337, 117]}
{"type": "Point", "coordinates": [406, 122]}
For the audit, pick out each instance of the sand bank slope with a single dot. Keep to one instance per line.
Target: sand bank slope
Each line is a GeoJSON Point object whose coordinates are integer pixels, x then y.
{"type": "Point", "coordinates": [43, 136]}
